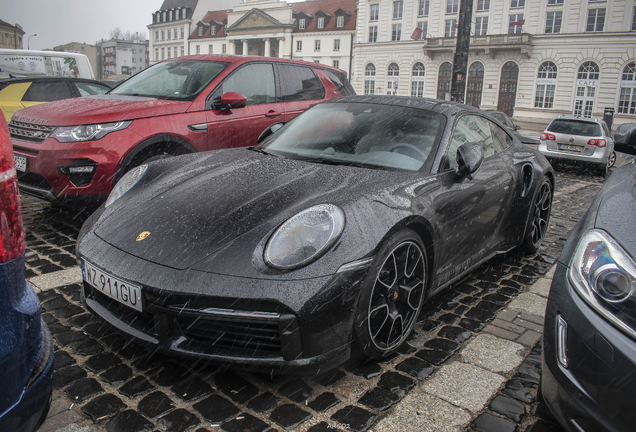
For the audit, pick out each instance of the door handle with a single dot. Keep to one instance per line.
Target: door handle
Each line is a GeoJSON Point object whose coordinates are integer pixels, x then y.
{"type": "Point", "coordinates": [272, 113]}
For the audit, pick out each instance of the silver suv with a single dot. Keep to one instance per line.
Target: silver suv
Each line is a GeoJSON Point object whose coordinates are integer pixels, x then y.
{"type": "Point", "coordinates": [579, 139]}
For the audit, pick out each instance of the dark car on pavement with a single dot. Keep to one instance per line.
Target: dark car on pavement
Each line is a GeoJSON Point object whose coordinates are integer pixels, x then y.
{"type": "Point", "coordinates": [328, 237]}
{"type": "Point", "coordinates": [503, 118]}
{"type": "Point", "coordinates": [625, 138]}
{"type": "Point", "coordinates": [589, 338]}
{"type": "Point", "coordinates": [19, 93]}
{"type": "Point", "coordinates": [26, 346]}
{"type": "Point", "coordinates": [77, 149]}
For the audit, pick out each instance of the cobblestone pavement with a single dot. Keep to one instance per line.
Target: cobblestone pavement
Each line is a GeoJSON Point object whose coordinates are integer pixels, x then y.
{"type": "Point", "coordinates": [104, 382]}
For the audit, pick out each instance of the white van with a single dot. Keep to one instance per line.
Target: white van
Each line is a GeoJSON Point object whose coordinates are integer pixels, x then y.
{"type": "Point", "coordinates": [27, 63]}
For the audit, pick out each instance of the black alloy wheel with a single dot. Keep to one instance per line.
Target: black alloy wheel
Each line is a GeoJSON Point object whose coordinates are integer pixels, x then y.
{"type": "Point", "coordinates": [393, 295]}
{"type": "Point", "coordinates": [540, 217]}
{"type": "Point", "coordinates": [612, 159]}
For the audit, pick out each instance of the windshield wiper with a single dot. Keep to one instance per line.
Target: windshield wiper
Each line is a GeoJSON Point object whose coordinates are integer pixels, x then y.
{"type": "Point", "coordinates": [259, 150]}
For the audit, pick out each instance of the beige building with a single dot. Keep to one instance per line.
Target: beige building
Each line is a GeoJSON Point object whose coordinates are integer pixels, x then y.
{"type": "Point", "coordinates": [89, 51]}
{"type": "Point", "coordinates": [536, 59]}
{"type": "Point", "coordinates": [11, 35]}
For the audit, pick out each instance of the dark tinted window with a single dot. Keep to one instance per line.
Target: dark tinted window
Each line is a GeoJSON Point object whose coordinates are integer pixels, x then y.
{"type": "Point", "coordinates": [501, 139]}
{"type": "Point", "coordinates": [47, 91]}
{"type": "Point", "coordinates": [340, 81]}
{"type": "Point", "coordinates": [575, 127]}
{"type": "Point", "coordinates": [502, 118]}
{"type": "Point", "coordinates": [87, 89]}
{"type": "Point", "coordinates": [300, 83]}
{"type": "Point", "coordinates": [254, 81]}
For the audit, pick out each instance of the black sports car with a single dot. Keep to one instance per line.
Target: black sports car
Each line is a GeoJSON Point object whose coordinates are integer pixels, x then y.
{"type": "Point", "coordinates": [329, 235]}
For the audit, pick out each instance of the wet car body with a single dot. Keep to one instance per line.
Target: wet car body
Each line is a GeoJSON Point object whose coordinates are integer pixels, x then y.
{"type": "Point", "coordinates": [194, 234]}
{"type": "Point", "coordinates": [589, 338]}
{"type": "Point", "coordinates": [503, 118]}
{"type": "Point", "coordinates": [26, 346]}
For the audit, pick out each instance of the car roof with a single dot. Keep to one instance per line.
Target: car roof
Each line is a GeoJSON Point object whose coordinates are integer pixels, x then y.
{"type": "Point", "coordinates": [445, 107]}
{"type": "Point", "coordinates": [7, 81]}
{"type": "Point", "coordinates": [583, 119]}
{"type": "Point", "coordinates": [230, 58]}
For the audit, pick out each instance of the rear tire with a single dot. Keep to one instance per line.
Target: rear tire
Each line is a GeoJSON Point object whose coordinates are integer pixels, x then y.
{"type": "Point", "coordinates": [611, 160]}
{"type": "Point", "coordinates": [539, 218]}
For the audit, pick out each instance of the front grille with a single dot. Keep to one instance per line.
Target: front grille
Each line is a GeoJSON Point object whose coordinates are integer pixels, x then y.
{"type": "Point", "coordinates": [33, 179]}
{"type": "Point", "coordinates": [29, 131]}
{"type": "Point", "coordinates": [142, 321]}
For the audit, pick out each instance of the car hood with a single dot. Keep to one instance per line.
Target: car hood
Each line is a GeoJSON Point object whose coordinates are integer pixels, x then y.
{"type": "Point", "coordinates": [220, 207]}
{"type": "Point", "coordinates": [99, 109]}
{"type": "Point", "coordinates": [617, 210]}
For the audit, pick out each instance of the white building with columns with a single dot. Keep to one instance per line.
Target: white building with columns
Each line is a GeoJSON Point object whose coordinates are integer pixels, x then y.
{"type": "Point", "coordinates": [536, 59]}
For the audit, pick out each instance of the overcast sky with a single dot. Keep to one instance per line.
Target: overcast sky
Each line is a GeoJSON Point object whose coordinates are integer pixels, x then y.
{"type": "Point", "coordinates": [58, 22]}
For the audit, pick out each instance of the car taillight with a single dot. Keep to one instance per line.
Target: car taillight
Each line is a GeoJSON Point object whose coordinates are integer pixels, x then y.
{"type": "Point", "coordinates": [11, 230]}
{"type": "Point", "coordinates": [597, 142]}
{"type": "Point", "coordinates": [547, 136]}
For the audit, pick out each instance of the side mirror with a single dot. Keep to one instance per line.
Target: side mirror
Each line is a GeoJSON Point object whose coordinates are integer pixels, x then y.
{"type": "Point", "coordinates": [269, 130]}
{"type": "Point", "coordinates": [469, 158]}
{"type": "Point", "coordinates": [229, 101]}
{"type": "Point", "coordinates": [625, 138]}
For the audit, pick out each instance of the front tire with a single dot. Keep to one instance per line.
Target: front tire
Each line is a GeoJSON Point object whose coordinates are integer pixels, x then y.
{"type": "Point", "coordinates": [539, 218]}
{"type": "Point", "coordinates": [392, 295]}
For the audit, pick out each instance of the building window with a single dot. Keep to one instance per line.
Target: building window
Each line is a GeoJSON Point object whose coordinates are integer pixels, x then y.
{"type": "Point", "coordinates": [396, 34]}
{"type": "Point", "coordinates": [158, 17]}
{"type": "Point", "coordinates": [369, 79]}
{"type": "Point", "coordinates": [156, 36]}
{"type": "Point", "coordinates": [177, 14]}
{"type": "Point", "coordinates": [452, 6]}
{"type": "Point", "coordinates": [317, 45]}
{"type": "Point", "coordinates": [336, 64]}
{"type": "Point", "coordinates": [481, 26]}
{"type": "Point", "coordinates": [316, 61]}
{"type": "Point", "coordinates": [170, 15]}
{"type": "Point", "coordinates": [450, 29]}
{"type": "Point", "coordinates": [210, 49]}
{"type": "Point", "coordinates": [182, 51]}
{"type": "Point", "coordinates": [176, 32]}
{"type": "Point", "coordinates": [422, 10]}
{"type": "Point", "coordinates": [517, 3]}
{"type": "Point", "coordinates": [320, 23]}
{"type": "Point", "coordinates": [634, 19]}
{"type": "Point", "coordinates": [373, 34]}
{"type": "Point", "coordinates": [168, 51]}
{"type": "Point", "coordinates": [200, 31]}
{"type": "Point", "coordinates": [336, 44]}
{"type": "Point", "coordinates": [301, 24]}
{"type": "Point", "coordinates": [156, 53]}
{"type": "Point", "coordinates": [374, 13]}
{"type": "Point", "coordinates": [553, 22]}
{"type": "Point", "coordinates": [340, 21]}
{"type": "Point", "coordinates": [555, 2]}
{"type": "Point", "coordinates": [168, 35]}
{"type": "Point", "coordinates": [198, 49]}
{"type": "Point", "coordinates": [213, 31]}
{"type": "Point", "coordinates": [516, 23]}
{"type": "Point", "coordinates": [393, 74]}
{"type": "Point", "coordinates": [181, 33]}
{"type": "Point", "coordinates": [134, 60]}
{"type": "Point", "coordinates": [595, 20]}
{"type": "Point", "coordinates": [164, 16]}
{"type": "Point", "coordinates": [483, 5]}
{"type": "Point", "coordinates": [417, 80]}
{"type": "Point", "coordinates": [586, 83]}
{"type": "Point", "coordinates": [163, 54]}
{"type": "Point", "coordinates": [299, 45]}
{"type": "Point", "coordinates": [163, 35]}
{"type": "Point", "coordinates": [627, 100]}
{"type": "Point", "coordinates": [546, 83]}
{"type": "Point", "coordinates": [397, 9]}
{"type": "Point", "coordinates": [223, 49]}
{"type": "Point", "coordinates": [423, 25]}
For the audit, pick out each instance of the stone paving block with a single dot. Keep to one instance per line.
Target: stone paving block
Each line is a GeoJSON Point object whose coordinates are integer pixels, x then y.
{"type": "Point", "coordinates": [510, 326]}
{"type": "Point", "coordinates": [515, 388]}
{"type": "Point", "coordinates": [83, 389]}
{"type": "Point", "coordinates": [244, 423]}
{"type": "Point", "coordinates": [354, 418]}
{"type": "Point", "coordinates": [67, 375]}
{"type": "Point", "coordinates": [103, 407]}
{"type": "Point", "coordinates": [264, 402]}
{"type": "Point", "coordinates": [129, 421]}
{"type": "Point", "coordinates": [235, 387]}
{"type": "Point", "coordinates": [379, 399]}
{"type": "Point", "coordinates": [289, 416]}
{"type": "Point", "coordinates": [537, 319]}
{"type": "Point", "coordinates": [216, 409]}
{"type": "Point", "coordinates": [397, 383]}
{"type": "Point", "coordinates": [541, 287]}
{"type": "Point", "coordinates": [192, 390]}
{"type": "Point", "coordinates": [136, 387]}
{"type": "Point", "coordinates": [296, 390]}
{"type": "Point", "coordinates": [329, 379]}
{"type": "Point", "coordinates": [493, 353]}
{"type": "Point", "coordinates": [366, 370]}
{"type": "Point", "coordinates": [422, 412]}
{"type": "Point", "coordinates": [416, 368]}
{"type": "Point", "coordinates": [101, 362]}
{"type": "Point", "coordinates": [501, 333]}
{"type": "Point", "coordinates": [508, 407]}
{"type": "Point", "coordinates": [529, 303]}
{"type": "Point", "coordinates": [529, 338]}
{"type": "Point", "coordinates": [117, 374]}
{"type": "Point", "coordinates": [155, 404]}
{"type": "Point", "coordinates": [528, 325]}
{"type": "Point", "coordinates": [467, 386]}
{"type": "Point", "coordinates": [489, 423]}
{"type": "Point", "coordinates": [62, 359]}
{"type": "Point", "coordinates": [323, 402]}
{"type": "Point", "coordinates": [179, 420]}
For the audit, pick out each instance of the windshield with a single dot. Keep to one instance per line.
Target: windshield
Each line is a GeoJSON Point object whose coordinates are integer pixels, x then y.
{"type": "Point", "coordinates": [575, 127]}
{"type": "Point", "coordinates": [360, 134]}
{"type": "Point", "coordinates": [179, 79]}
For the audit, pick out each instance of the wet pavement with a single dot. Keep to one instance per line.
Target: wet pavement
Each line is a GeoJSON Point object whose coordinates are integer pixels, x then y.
{"type": "Point", "coordinates": [104, 382]}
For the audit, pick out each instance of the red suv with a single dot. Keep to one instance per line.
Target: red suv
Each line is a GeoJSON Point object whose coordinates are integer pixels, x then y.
{"type": "Point", "coordinates": [77, 149]}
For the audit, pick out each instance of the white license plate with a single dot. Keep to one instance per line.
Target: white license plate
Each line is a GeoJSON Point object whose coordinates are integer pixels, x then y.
{"type": "Point", "coordinates": [570, 148]}
{"type": "Point", "coordinates": [20, 162]}
{"type": "Point", "coordinates": [115, 288]}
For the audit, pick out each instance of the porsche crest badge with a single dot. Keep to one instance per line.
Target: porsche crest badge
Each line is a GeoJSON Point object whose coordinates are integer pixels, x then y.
{"type": "Point", "coordinates": [143, 235]}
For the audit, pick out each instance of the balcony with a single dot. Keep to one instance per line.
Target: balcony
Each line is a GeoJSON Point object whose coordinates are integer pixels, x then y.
{"type": "Point", "coordinates": [489, 44]}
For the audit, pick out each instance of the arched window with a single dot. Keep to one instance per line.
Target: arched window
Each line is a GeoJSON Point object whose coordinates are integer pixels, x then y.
{"type": "Point", "coordinates": [546, 84]}
{"type": "Point", "coordinates": [417, 80]}
{"type": "Point", "coordinates": [444, 81]}
{"type": "Point", "coordinates": [627, 101]}
{"type": "Point", "coordinates": [369, 79]}
{"type": "Point", "coordinates": [393, 74]}
{"type": "Point", "coordinates": [177, 14]}
{"type": "Point", "coordinates": [475, 84]}
{"type": "Point", "coordinates": [586, 83]}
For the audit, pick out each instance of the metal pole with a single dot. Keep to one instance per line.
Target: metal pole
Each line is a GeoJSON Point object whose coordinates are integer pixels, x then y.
{"type": "Point", "coordinates": [29, 41]}
{"type": "Point", "coordinates": [460, 59]}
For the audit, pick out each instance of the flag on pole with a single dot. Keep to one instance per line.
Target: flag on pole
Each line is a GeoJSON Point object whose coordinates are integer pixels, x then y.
{"type": "Point", "coordinates": [516, 23]}
{"type": "Point", "coordinates": [417, 33]}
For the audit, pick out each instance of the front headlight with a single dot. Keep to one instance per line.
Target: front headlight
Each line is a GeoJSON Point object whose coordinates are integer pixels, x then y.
{"type": "Point", "coordinates": [605, 276]}
{"type": "Point", "coordinates": [304, 237]}
{"type": "Point", "coordinates": [88, 132]}
{"type": "Point", "coordinates": [126, 182]}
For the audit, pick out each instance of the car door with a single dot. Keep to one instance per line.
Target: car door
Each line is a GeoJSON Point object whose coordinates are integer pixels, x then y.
{"type": "Point", "coordinates": [300, 88]}
{"type": "Point", "coordinates": [472, 211]}
{"type": "Point", "coordinates": [241, 127]}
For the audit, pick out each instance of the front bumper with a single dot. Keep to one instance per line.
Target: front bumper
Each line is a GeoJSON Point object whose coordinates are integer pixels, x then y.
{"type": "Point", "coordinates": [595, 392]}
{"type": "Point", "coordinates": [293, 326]}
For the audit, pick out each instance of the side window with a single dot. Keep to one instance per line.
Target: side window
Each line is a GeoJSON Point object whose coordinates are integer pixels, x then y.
{"type": "Point", "coordinates": [501, 139]}
{"type": "Point", "coordinates": [470, 128]}
{"type": "Point", "coordinates": [254, 81]}
{"type": "Point", "coordinates": [342, 84]}
{"type": "Point", "coordinates": [87, 89]}
{"type": "Point", "coordinates": [299, 83]}
{"type": "Point", "coordinates": [47, 91]}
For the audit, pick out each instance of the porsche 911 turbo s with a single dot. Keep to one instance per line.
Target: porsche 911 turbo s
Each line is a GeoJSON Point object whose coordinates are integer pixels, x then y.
{"type": "Point", "coordinates": [327, 237]}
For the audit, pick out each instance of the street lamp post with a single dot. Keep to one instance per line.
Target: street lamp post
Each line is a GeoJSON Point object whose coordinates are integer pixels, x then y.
{"type": "Point", "coordinates": [29, 41]}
